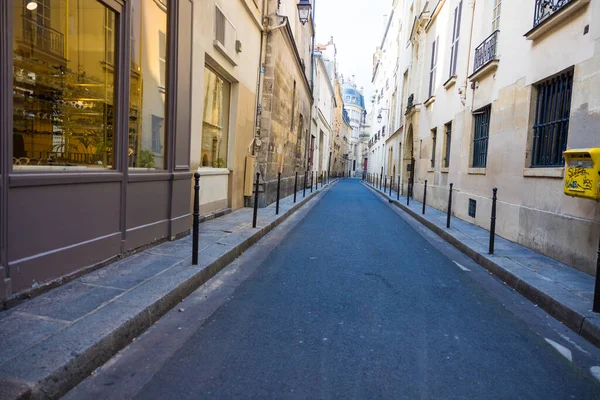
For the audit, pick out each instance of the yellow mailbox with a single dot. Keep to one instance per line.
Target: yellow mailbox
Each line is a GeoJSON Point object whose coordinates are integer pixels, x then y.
{"type": "Point", "coordinates": [582, 177]}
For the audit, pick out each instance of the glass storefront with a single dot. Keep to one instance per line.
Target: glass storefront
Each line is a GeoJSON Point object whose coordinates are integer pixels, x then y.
{"type": "Point", "coordinates": [64, 56]}
{"type": "Point", "coordinates": [63, 85]}
{"type": "Point", "coordinates": [147, 112]}
{"type": "Point", "coordinates": [215, 119]}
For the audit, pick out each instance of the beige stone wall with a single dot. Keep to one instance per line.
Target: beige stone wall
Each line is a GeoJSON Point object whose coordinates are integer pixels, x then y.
{"type": "Point", "coordinates": [224, 187]}
{"type": "Point", "coordinates": [532, 209]}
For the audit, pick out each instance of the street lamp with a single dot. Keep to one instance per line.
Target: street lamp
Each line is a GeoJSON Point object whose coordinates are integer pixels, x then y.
{"type": "Point", "coordinates": [304, 8]}
{"type": "Point", "coordinates": [379, 117]}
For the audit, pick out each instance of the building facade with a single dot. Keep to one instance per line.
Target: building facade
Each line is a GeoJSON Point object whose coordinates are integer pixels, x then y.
{"type": "Point", "coordinates": [495, 92]}
{"type": "Point", "coordinates": [226, 62]}
{"type": "Point", "coordinates": [95, 128]}
{"type": "Point", "coordinates": [283, 143]}
{"type": "Point", "coordinates": [354, 105]}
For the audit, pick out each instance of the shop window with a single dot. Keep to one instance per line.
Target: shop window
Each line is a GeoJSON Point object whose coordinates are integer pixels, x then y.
{"type": "Point", "coordinates": [481, 136]}
{"type": "Point", "coordinates": [63, 86]}
{"type": "Point", "coordinates": [147, 95]}
{"type": "Point", "coordinates": [551, 126]}
{"type": "Point", "coordinates": [215, 120]}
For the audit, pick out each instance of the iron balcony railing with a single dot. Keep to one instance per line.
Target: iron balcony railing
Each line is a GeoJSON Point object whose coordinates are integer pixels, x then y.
{"type": "Point", "coordinates": [546, 8]}
{"type": "Point", "coordinates": [45, 38]}
{"type": "Point", "coordinates": [486, 51]}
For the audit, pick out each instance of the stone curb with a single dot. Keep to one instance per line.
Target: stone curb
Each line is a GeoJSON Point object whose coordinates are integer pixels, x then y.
{"type": "Point", "coordinates": [579, 323]}
{"type": "Point", "coordinates": [59, 381]}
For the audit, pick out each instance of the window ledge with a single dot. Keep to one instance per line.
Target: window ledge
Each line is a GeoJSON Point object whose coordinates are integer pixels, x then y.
{"type": "Point", "coordinates": [476, 171]}
{"type": "Point", "coordinates": [556, 19]}
{"type": "Point", "coordinates": [430, 169]}
{"type": "Point", "coordinates": [223, 51]}
{"type": "Point", "coordinates": [429, 101]}
{"type": "Point", "coordinates": [485, 70]}
{"type": "Point", "coordinates": [444, 170]}
{"type": "Point", "coordinates": [450, 82]}
{"type": "Point", "coordinates": [208, 171]}
{"type": "Point", "coordinates": [553, 172]}
{"type": "Point", "coordinates": [412, 110]}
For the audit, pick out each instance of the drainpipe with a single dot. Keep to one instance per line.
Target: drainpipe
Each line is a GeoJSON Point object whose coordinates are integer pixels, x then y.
{"type": "Point", "coordinates": [259, 80]}
{"type": "Point", "coordinates": [463, 96]}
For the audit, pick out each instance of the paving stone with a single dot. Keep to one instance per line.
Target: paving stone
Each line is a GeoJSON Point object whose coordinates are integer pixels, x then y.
{"type": "Point", "coordinates": [31, 330]}
{"type": "Point", "coordinates": [69, 302]}
{"type": "Point", "coordinates": [131, 271]}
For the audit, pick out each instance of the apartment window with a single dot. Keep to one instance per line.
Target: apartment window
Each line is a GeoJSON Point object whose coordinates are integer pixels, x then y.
{"type": "Point", "coordinates": [480, 136]}
{"type": "Point", "coordinates": [63, 101]}
{"type": "Point", "coordinates": [220, 27]}
{"type": "Point", "coordinates": [162, 58]}
{"type": "Point", "coordinates": [551, 125]}
{"type": "Point", "coordinates": [448, 139]}
{"type": "Point", "coordinates": [496, 17]}
{"type": "Point", "coordinates": [215, 120]}
{"type": "Point", "coordinates": [433, 67]}
{"type": "Point", "coordinates": [157, 124]}
{"type": "Point", "coordinates": [455, 39]}
{"type": "Point", "coordinates": [433, 146]}
{"type": "Point", "coordinates": [147, 87]}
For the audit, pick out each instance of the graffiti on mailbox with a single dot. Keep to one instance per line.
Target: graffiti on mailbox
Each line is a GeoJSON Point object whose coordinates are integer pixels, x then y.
{"type": "Point", "coordinates": [578, 179]}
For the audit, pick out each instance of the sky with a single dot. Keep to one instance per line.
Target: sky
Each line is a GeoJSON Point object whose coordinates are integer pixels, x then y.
{"type": "Point", "coordinates": [357, 28]}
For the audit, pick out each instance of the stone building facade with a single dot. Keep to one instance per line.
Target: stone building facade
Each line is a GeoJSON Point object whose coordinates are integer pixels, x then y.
{"type": "Point", "coordinates": [283, 143]}
{"type": "Point", "coordinates": [496, 91]}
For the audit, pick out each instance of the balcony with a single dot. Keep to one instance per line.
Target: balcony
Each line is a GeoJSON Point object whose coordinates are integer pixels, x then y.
{"type": "Point", "coordinates": [549, 14]}
{"type": "Point", "coordinates": [486, 57]}
{"type": "Point", "coordinates": [44, 38]}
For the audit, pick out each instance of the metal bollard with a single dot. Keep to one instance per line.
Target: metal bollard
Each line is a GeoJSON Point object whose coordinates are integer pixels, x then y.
{"type": "Point", "coordinates": [312, 181]}
{"type": "Point", "coordinates": [304, 184]}
{"type": "Point", "coordinates": [493, 221]}
{"type": "Point", "coordinates": [196, 226]}
{"type": "Point", "coordinates": [398, 193]}
{"type": "Point", "coordinates": [424, 196]}
{"type": "Point", "coordinates": [278, 187]}
{"type": "Point", "coordinates": [391, 184]}
{"type": "Point", "coordinates": [295, 186]}
{"type": "Point", "coordinates": [449, 207]}
{"type": "Point", "coordinates": [256, 200]}
{"type": "Point", "coordinates": [380, 179]}
{"type": "Point", "coordinates": [384, 184]}
{"type": "Point", "coordinates": [596, 306]}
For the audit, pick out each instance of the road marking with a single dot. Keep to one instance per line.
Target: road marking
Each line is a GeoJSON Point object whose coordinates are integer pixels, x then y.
{"type": "Point", "coordinates": [596, 372]}
{"type": "Point", "coordinates": [566, 353]}
{"type": "Point", "coordinates": [573, 343]}
{"type": "Point", "coordinates": [462, 267]}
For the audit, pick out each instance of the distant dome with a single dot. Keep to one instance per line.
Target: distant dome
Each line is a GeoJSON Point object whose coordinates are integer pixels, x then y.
{"type": "Point", "coordinates": [352, 96]}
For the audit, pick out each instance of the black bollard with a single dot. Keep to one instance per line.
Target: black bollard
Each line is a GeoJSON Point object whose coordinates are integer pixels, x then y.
{"type": "Point", "coordinates": [384, 184]}
{"type": "Point", "coordinates": [196, 227]}
{"type": "Point", "coordinates": [398, 193]}
{"type": "Point", "coordinates": [312, 181]}
{"type": "Point", "coordinates": [380, 179]}
{"type": "Point", "coordinates": [256, 200]}
{"type": "Point", "coordinates": [449, 207]}
{"type": "Point", "coordinates": [596, 306]}
{"type": "Point", "coordinates": [424, 196]}
{"type": "Point", "coordinates": [391, 184]}
{"type": "Point", "coordinates": [295, 186]}
{"type": "Point", "coordinates": [493, 221]}
{"type": "Point", "coordinates": [278, 187]}
{"type": "Point", "coordinates": [304, 184]}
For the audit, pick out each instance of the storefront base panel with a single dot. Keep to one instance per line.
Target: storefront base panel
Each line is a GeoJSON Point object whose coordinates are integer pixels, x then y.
{"type": "Point", "coordinates": [147, 234]}
{"type": "Point", "coordinates": [33, 273]}
{"type": "Point", "coordinates": [180, 226]}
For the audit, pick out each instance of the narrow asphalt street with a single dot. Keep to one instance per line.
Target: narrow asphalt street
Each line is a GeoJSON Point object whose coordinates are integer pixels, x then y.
{"type": "Point", "coordinates": [351, 302]}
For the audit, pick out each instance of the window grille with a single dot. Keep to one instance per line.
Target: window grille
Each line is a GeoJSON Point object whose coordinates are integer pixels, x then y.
{"type": "Point", "coordinates": [481, 136]}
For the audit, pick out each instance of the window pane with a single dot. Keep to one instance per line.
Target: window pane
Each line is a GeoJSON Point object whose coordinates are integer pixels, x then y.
{"type": "Point", "coordinates": [147, 109]}
{"type": "Point", "coordinates": [214, 126]}
{"type": "Point", "coordinates": [63, 85]}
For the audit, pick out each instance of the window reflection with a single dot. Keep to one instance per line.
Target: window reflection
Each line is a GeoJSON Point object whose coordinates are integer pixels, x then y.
{"type": "Point", "coordinates": [148, 82]}
{"type": "Point", "coordinates": [63, 85]}
{"type": "Point", "coordinates": [214, 122]}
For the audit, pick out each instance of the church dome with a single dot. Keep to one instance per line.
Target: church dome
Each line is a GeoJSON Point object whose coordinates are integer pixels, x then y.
{"type": "Point", "coordinates": [352, 96]}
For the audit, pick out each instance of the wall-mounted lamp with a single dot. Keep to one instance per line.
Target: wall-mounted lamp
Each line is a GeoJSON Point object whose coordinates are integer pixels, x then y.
{"type": "Point", "coordinates": [304, 8]}
{"type": "Point", "coordinates": [379, 117]}
{"type": "Point", "coordinates": [31, 5]}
